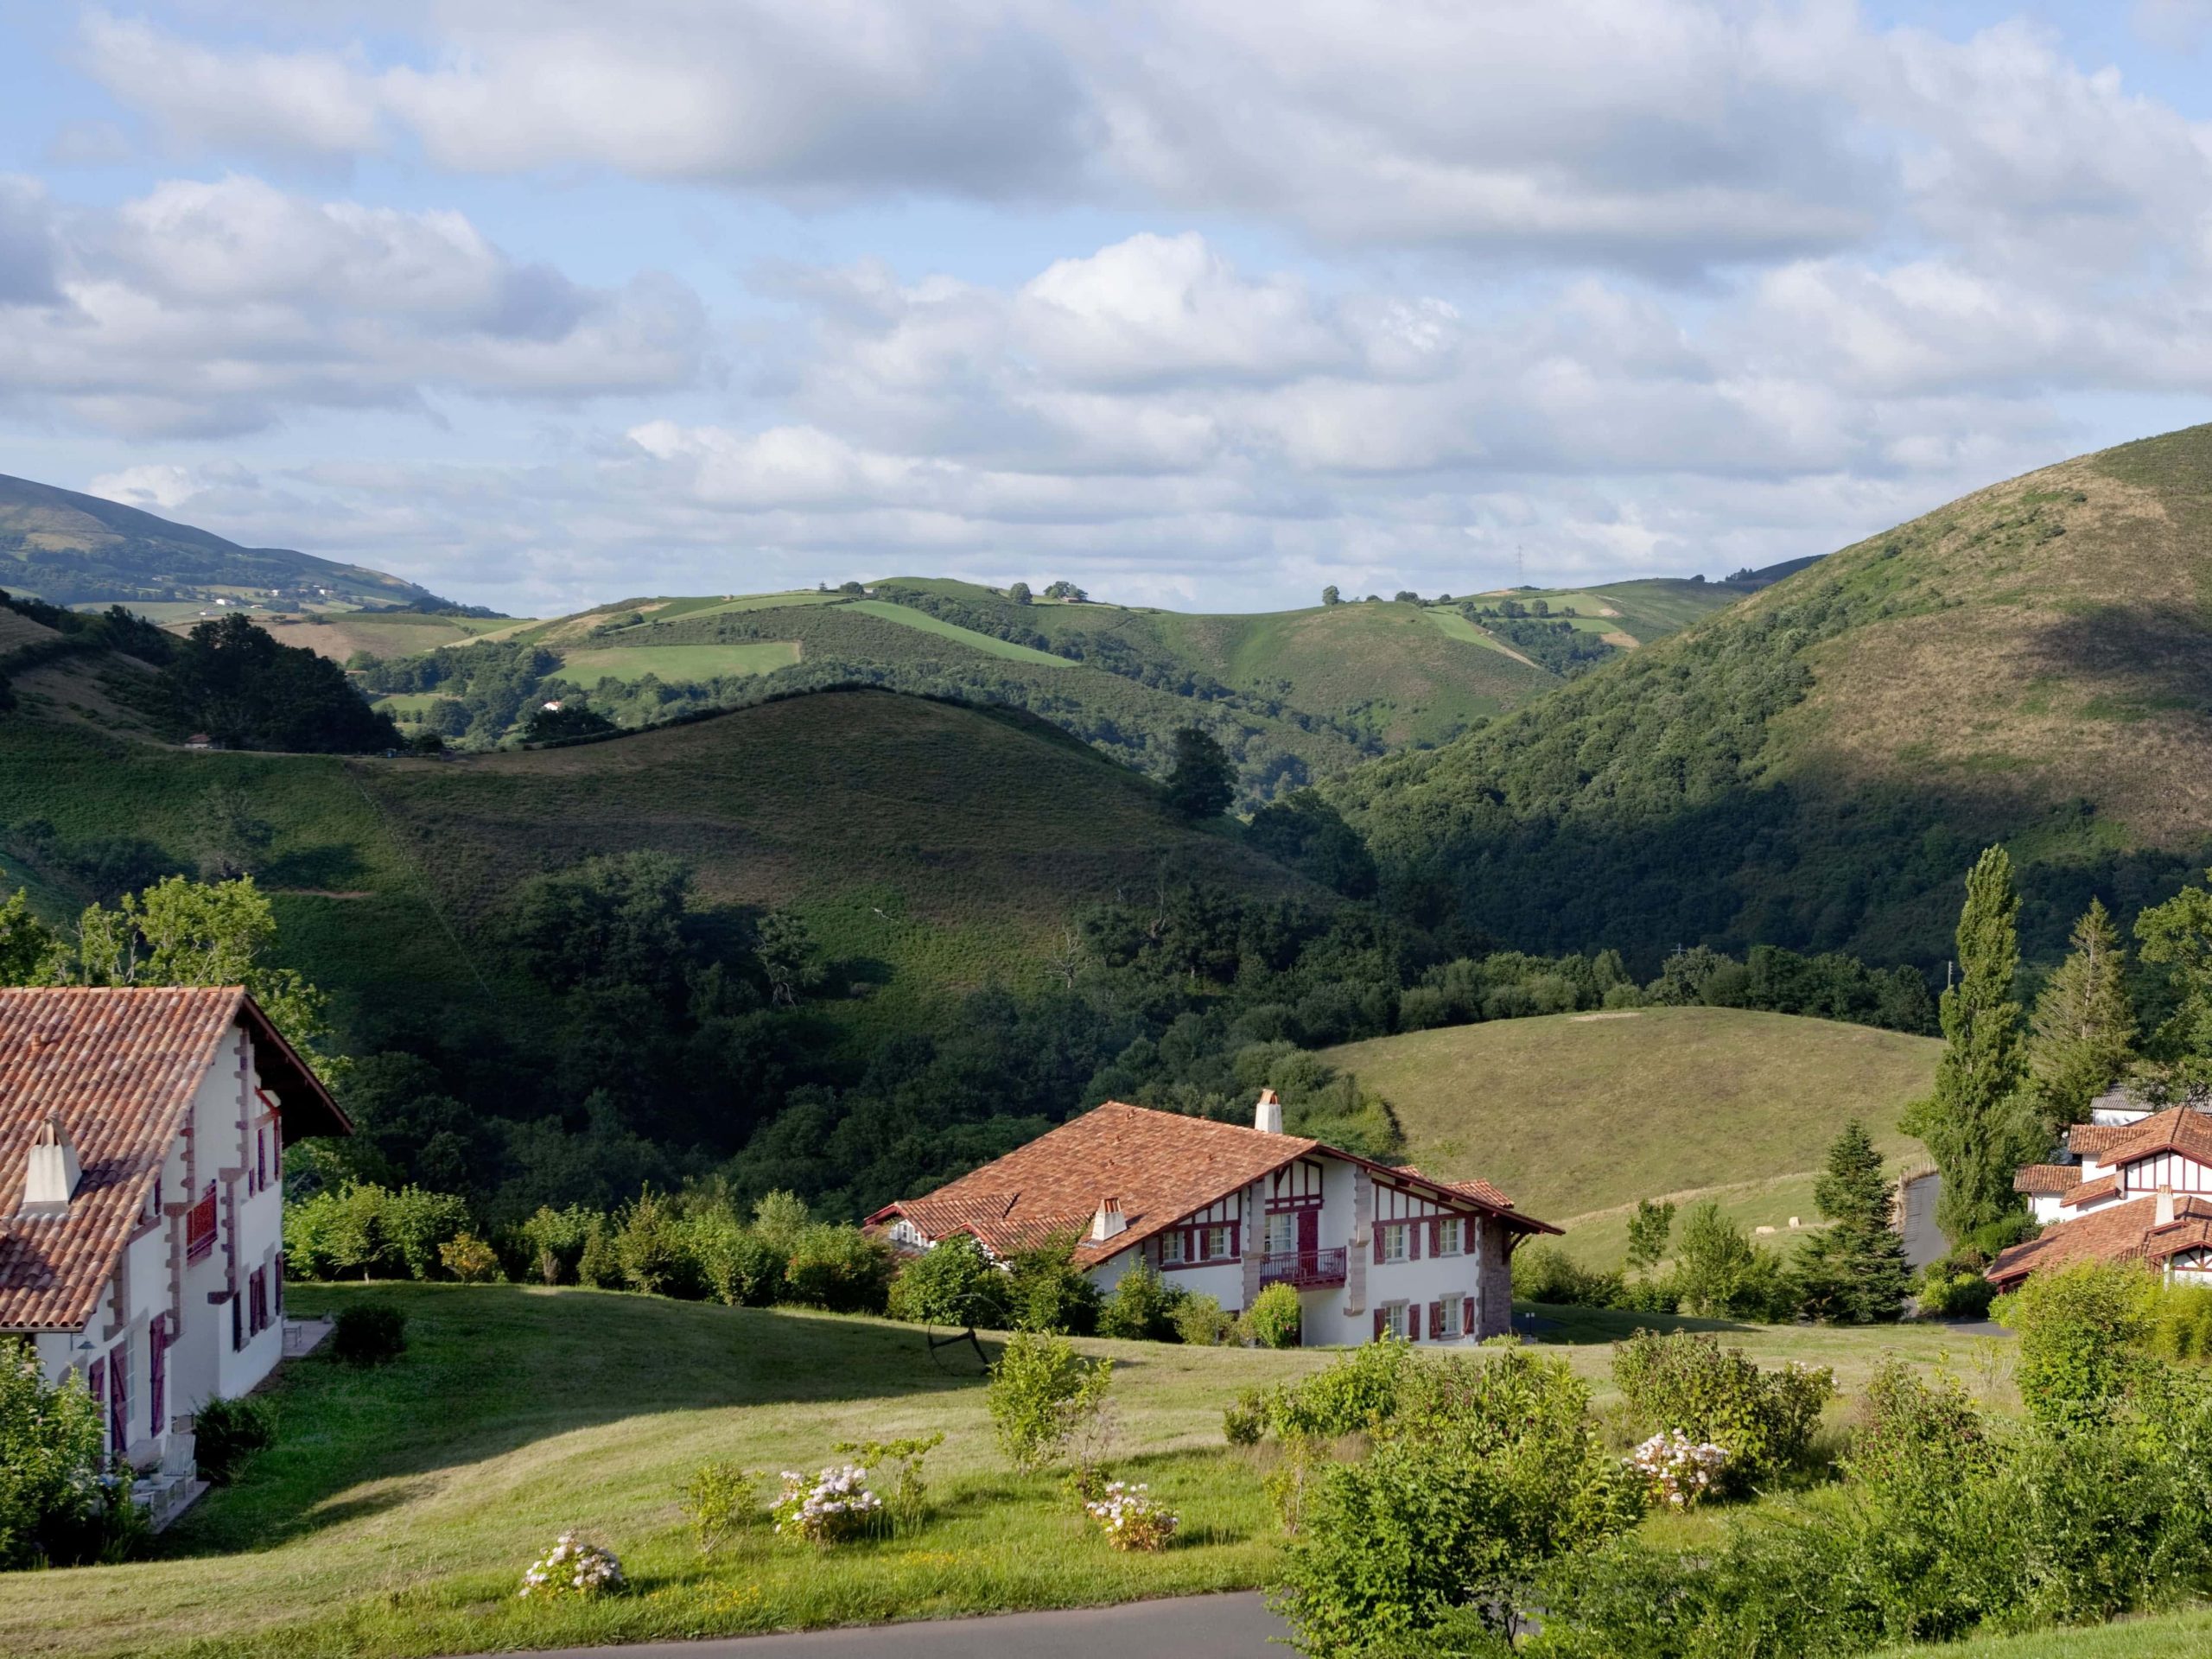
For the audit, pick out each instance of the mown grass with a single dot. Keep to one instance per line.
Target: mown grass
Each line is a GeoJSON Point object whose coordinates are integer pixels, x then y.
{"type": "Point", "coordinates": [398, 1510]}
{"type": "Point", "coordinates": [2170, 1636]}
{"type": "Point", "coordinates": [1572, 1114]}
{"type": "Point", "coordinates": [676, 662]}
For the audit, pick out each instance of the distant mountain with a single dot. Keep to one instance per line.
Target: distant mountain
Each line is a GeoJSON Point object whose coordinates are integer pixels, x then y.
{"type": "Point", "coordinates": [1816, 765]}
{"type": "Point", "coordinates": [70, 548]}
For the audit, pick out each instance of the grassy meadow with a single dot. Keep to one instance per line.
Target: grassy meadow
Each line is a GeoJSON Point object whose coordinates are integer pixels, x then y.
{"type": "Point", "coordinates": [1579, 1115]}
{"type": "Point", "coordinates": [400, 1506]}
{"type": "Point", "coordinates": [672, 662]}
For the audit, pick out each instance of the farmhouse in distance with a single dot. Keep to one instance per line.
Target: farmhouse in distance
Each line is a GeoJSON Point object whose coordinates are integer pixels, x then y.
{"type": "Point", "coordinates": [1373, 1249]}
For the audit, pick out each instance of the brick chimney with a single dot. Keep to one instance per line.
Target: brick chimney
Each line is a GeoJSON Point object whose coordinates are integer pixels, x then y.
{"type": "Point", "coordinates": [1267, 1115]}
{"type": "Point", "coordinates": [1109, 1221]}
{"type": "Point", "coordinates": [51, 1171]}
{"type": "Point", "coordinates": [2164, 1214]}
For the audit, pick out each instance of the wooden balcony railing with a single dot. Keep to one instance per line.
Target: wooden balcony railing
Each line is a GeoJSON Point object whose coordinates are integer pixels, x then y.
{"type": "Point", "coordinates": [1303, 1268]}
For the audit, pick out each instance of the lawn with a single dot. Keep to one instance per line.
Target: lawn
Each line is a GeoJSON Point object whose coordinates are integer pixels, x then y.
{"type": "Point", "coordinates": [397, 1511]}
{"type": "Point", "coordinates": [674, 663]}
{"type": "Point", "coordinates": [2171, 1636]}
{"type": "Point", "coordinates": [988, 644]}
{"type": "Point", "coordinates": [1578, 1114]}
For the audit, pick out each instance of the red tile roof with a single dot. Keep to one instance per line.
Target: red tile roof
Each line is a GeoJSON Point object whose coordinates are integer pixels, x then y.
{"type": "Point", "coordinates": [1161, 1167]}
{"type": "Point", "coordinates": [2183, 1129]}
{"type": "Point", "coordinates": [2120, 1232]}
{"type": "Point", "coordinates": [119, 1066]}
{"type": "Point", "coordinates": [2046, 1179]}
{"type": "Point", "coordinates": [2095, 1140]}
{"type": "Point", "coordinates": [2096, 1191]}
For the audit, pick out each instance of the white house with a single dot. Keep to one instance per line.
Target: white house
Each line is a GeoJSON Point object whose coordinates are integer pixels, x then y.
{"type": "Point", "coordinates": [142, 1140]}
{"type": "Point", "coordinates": [2131, 1185]}
{"type": "Point", "coordinates": [1223, 1210]}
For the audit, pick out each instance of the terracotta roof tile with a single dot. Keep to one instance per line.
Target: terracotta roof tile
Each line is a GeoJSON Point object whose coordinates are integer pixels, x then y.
{"type": "Point", "coordinates": [2096, 1191]}
{"type": "Point", "coordinates": [2120, 1232]}
{"type": "Point", "coordinates": [2183, 1129]}
{"type": "Point", "coordinates": [119, 1066]}
{"type": "Point", "coordinates": [2095, 1140]}
{"type": "Point", "coordinates": [2048, 1178]}
{"type": "Point", "coordinates": [1161, 1167]}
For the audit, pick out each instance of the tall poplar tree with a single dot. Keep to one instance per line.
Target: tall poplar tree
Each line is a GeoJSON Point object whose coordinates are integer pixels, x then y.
{"type": "Point", "coordinates": [1977, 1125]}
{"type": "Point", "coordinates": [2084, 1028]}
{"type": "Point", "coordinates": [2177, 936]}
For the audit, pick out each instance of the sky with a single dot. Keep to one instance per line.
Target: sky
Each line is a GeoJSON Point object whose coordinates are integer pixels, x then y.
{"type": "Point", "coordinates": [1205, 303]}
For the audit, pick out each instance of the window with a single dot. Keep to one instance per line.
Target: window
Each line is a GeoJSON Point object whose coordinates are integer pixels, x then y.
{"type": "Point", "coordinates": [256, 1305]}
{"type": "Point", "coordinates": [260, 1159]}
{"type": "Point", "coordinates": [1171, 1248]}
{"type": "Point", "coordinates": [1393, 1243]}
{"type": "Point", "coordinates": [118, 1391]}
{"type": "Point", "coordinates": [1452, 1316]}
{"type": "Point", "coordinates": [1397, 1319]}
{"type": "Point", "coordinates": [1216, 1244]}
{"type": "Point", "coordinates": [1282, 1233]}
{"type": "Point", "coordinates": [1449, 1236]}
{"type": "Point", "coordinates": [237, 1321]}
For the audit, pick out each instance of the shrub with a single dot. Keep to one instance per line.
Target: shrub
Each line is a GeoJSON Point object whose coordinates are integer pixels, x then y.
{"type": "Point", "coordinates": [2080, 1328]}
{"type": "Point", "coordinates": [369, 1333]}
{"type": "Point", "coordinates": [1680, 1471]}
{"type": "Point", "coordinates": [2181, 1323]}
{"type": "Point", "coordinates": [1355, 1395]}
{"type": "Point", "coordinates": [1244, 1420]}
{"type": "Point", "coordinates": [1686, 1382]}
{"type": "Point", "coordinates": [573, 1567]}
{"type": "Point", "coordinates": [50, 1444]}
{"type": "Point", "coordinates": [225, 1433]}
{"type": "Point", "coordinates": [1273, 1317]}
{"type": "Point", "coordinates": [714, 1500]}
{"type": "Point", "coordinates": [1041, 1392]}
{"type": "Point", "coordinates": [838, 1268]}
{"type": "Point", "coordinates": [555, 1241]}
{"type": "Point", "coordinates": [1488, 1469]}
{"type": "Point", "coordinates": [827, 1509]}
{"type": "Point", "coordinates": [649, 1244]}
{"type": "Point", "coordinates": [417, 1223]}
{"type": "Point", "coordinates": [1050, 1293]}
{"type": "Point", "coordinates": [470, 1259]}
{"type": "Point", "coordinates": [1719, 1273]}
{"type": "Point", "coordinates": [909, 1490]}
{"type": "Point", "coordinates": [598, 1264]}
{"type": "Point", "coordinates": [368, 1231]}
{"type": "Point", "coordinates": [954, 1283]}
{"type": "Point", "coordinates": [1200, 1321]}
{"type": "Point", "coordinates": [740, 1268]}
{"type": "Point", "coordinates": [1544, 1273]}
{"type": "Point", "coordinates": [1908, 1427]}
{"type": "Point", "coordinates": [1130, 1519]}
{"type": "Point", "coordinates": [1954, 1294]}
{"type": "Point", "coordinates": [1142, 1307]}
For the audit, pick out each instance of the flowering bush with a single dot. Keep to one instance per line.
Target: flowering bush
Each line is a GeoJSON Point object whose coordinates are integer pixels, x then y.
{"type": "Point", "coordinates": [836, 1506]}
{"type": "Point", "coordinates": [1681, 1471]}
{"type": "Point", "coordinates": [1130, 1519]}
{"type": "Point", "coordinates": [573, 1567]}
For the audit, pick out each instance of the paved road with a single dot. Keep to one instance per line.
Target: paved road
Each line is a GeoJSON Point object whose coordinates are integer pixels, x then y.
{"type": "Point", "coordinates": [1184, 1627]}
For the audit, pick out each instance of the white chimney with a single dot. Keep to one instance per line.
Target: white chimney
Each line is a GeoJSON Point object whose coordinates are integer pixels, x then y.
{"type": "Point", "coordinates": [1110, 1220]}
{"type": "Point", "coordinates": [1267, 1116]}
{"type": "Point", "coordinates": [51, 1171]}
{"type": "Point", "coordinates": [2164, 1214]}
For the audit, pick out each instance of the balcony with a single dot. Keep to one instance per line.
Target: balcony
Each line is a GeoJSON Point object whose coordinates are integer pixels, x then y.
{"type": "Point", "coordinates": [1303, 1269]}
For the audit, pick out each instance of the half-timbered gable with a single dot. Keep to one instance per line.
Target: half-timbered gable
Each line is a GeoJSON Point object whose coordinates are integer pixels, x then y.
{"type": "Point", "coordinates": [2139, 1190]}
{"type": "Point", "coordinates": [1225, 1212]}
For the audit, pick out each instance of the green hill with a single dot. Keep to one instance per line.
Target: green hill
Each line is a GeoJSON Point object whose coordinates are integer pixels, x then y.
{"type": "Point", "coordinates": [1579, 1115]}
{"type": "Point", "coordinates": [930, 847]}
{"type": "Point", "coordinates": [69, 549]}
{"type": "Point", "coordinates": [1815, 765]}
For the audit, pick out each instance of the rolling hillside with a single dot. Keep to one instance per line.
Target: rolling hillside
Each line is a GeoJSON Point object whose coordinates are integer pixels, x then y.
{"type": "Point", "coordinates": [1579, 1115]}
{"type": "Point", "coordinates": [1816, 765]}
{"type": "Point", "coordinates": [69, 549]}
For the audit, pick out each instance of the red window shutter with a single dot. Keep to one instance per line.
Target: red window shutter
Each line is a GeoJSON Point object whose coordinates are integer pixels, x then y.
{"type": "Point", "coordinates": [1436, 1319]}
{"type": "Point", "coordinates": [1378, 1254]}
{"type": "Point", "coordinates": [1413, 1321]}
{"type": "Point", "coordinates": [96, 1381]}
{"type": "Point", "coordinates": [1382, 1323]}
{"type": "Point", "coordinates": [1436, 1237]}
{"type": "Point", "coordinates": [1412, 1240]}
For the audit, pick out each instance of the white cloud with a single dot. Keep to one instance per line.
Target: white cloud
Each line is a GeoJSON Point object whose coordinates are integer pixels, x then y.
{"type": "Point", "coordinates": [210, 308]}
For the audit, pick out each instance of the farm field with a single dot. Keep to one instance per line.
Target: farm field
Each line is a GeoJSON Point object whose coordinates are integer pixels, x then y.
{"type": "Point", "coordinates": [907, 616]}
{"type": "Point", "coordinates": [399, 1507]}
{"type": "Point", "coordinates": [338, 636]}
{"type": "Point", "coordinates": [1578, 1116]}
{"type": "Point", "coordinates": [677, 662]}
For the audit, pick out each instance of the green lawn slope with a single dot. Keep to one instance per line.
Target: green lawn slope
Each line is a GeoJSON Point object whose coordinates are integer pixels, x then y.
{"type": "Point", "coordinates": [1577, 1116]}
{"type": "Point", "coordinates": [397, 1511]}
{"type": "Point", "coordinates": [1816, 765]}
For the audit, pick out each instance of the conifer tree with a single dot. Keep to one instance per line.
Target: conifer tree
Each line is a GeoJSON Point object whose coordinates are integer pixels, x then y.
{"type": "Point", "coordinates": [2084, 1028]}
{"type": "Point", "coordinates": [1854, 1272]}
{"type": "Point", "coordinates": [1976, 1124]}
